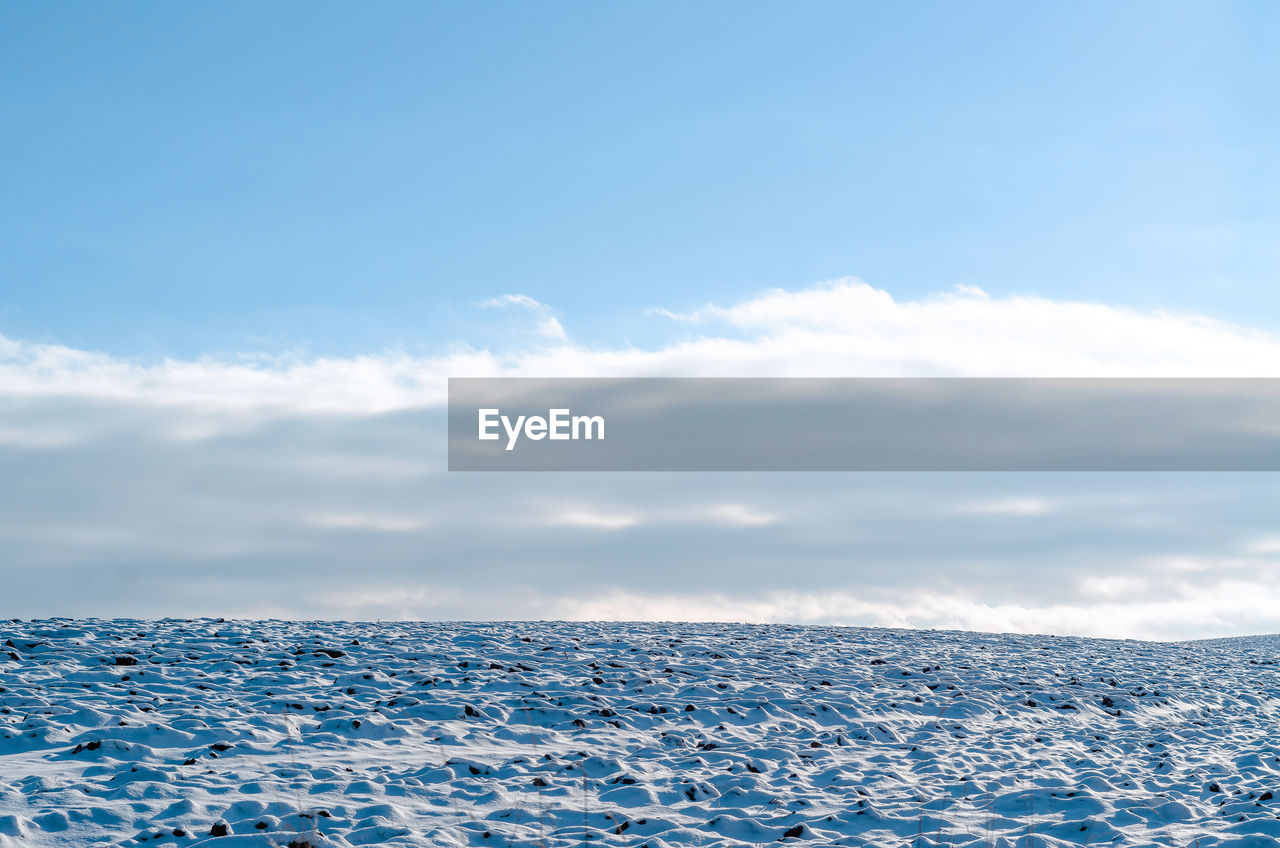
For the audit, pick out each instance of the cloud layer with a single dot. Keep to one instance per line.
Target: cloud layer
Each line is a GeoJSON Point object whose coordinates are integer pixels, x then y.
{"type": "Point", "coordinates": [304, 486]}
{"type": "Point", "coordinates": [842, 328]}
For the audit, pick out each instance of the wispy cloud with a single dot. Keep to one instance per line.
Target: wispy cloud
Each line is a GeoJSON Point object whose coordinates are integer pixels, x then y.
{"type": "Point", "coordinates": [689, 513]}
{"type": "Point", "coordinates": [842, 328]}
{"type": "Point", "coordinates": [1263, 546]}
{"type": "Point", "coordinates": [1115, 613]}
{"type": "Point", "coordinates": [590, 519]}
{"type": "Point", "coordinates": [1008, 506]}
{"type": "Point", "coordinates": [372, 522]}
{"type": "Point", "coordinates": [548, 325]}
{"type": "Point", "coordinates": [736, 515]}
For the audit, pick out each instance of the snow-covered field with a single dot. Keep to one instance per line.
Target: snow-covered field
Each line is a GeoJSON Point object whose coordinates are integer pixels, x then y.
{"type": "Point", "coordinates": [279, 733]}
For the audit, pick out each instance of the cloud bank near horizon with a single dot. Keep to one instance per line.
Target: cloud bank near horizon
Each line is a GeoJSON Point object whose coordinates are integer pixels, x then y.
{"type": "Point", "coordinates": [310, 486]}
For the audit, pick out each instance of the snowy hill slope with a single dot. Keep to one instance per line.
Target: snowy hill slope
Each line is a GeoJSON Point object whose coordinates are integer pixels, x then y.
{"type": "Point", "coordinates": [416, 734]}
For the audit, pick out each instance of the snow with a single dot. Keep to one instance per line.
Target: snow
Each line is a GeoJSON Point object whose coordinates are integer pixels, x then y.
{"type": "Point", "coordinates": [414, 734]}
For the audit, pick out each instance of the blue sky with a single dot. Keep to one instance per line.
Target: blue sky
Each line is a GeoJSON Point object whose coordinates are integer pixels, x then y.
{"type": "Point", "coordinates": [184, 179]}
{"type": "Point", "coordinates": [243, 245]}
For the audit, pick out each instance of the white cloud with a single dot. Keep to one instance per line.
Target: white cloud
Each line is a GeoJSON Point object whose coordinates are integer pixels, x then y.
{"type": "Point", "coordinates": [847, 327]}
{"type": "Point", "coordinates": [618, 518]}
{"type": "Point", "coordinates": [1229, 608]}
{"type": "Point", "coordinates": [1008, 506]}
{"type": "Point", "coordinates": [1113, 587]}
{"type": "Point", "coordinates": [548, 325]}
{"type": "Point", "coordinates": [736, 515]}
{"type": "Point", "coordinates": [373, 522]}
{"type": "Point", "coordinates": [842, 328]}
{"type": "Point", "coordinates": [591, 519]}
{"type": "Point", "coordinates": [1263, 546]}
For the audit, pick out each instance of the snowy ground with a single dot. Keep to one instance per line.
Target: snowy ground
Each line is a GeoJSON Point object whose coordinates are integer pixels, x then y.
{"type": "Point", "coordinates": [142, 733]}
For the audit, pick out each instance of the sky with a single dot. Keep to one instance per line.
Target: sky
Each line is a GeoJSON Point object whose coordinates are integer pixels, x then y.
{"type": "Point", "coordinates": [242, 247]}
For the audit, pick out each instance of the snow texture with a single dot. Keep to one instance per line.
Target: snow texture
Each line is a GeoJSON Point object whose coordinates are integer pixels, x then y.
{"type": "Point", "coordinates": [254, 734]}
